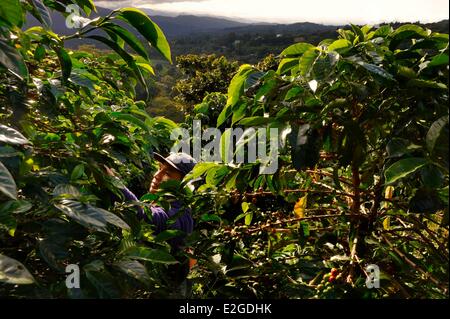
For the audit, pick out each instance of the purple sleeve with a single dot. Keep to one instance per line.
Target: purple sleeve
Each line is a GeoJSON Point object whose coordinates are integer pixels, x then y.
{"type": "Point", "coordinates": [130, 196]}
{"type": "Point", "coordinates": [184, 223]}
{"type": "Point", "coordinates": [159, 216]}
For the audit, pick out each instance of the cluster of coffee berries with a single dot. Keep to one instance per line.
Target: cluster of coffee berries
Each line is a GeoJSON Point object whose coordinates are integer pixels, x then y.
{"type": "Point", "coordinates": [333, 274]}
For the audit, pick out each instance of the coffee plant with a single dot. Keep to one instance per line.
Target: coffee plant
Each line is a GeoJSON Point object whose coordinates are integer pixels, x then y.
{"type": "Point", "coordinates": [362, 178]}
{"type": "Point", "coordinates": [362, 173]}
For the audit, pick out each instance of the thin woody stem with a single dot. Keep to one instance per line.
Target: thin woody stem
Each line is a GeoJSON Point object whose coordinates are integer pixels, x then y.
{"type": "Point", "coordinates": [292, 220]}
{"type": "Point", "coordinates": [412, 264]}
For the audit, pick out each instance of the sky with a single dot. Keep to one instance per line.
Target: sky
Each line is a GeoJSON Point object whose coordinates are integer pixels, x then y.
{"type": "Point", "coordinates": [290, 11]}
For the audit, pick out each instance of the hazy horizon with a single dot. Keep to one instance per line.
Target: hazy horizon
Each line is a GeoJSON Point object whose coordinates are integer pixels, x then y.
{"type": "Point", "coordinates": [292, 11]}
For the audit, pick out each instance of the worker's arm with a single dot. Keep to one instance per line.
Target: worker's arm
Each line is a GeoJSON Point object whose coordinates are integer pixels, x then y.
{"type": "Point", "coordinates": [159, 215]}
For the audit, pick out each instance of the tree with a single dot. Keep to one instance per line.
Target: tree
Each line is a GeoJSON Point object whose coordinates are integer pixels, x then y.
{"type": "Point", "coordinates": [203, 74]}
{"type": "Point", "coordinates": [362, 174]}
{"type": "Point", "coordinates": [64, 115]}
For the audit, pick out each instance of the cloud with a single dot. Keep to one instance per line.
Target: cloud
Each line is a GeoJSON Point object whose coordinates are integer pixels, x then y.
{"type": "Point", "coordinates": [289, 11]}
{"type": "Point", "coordinates": [135, 3]}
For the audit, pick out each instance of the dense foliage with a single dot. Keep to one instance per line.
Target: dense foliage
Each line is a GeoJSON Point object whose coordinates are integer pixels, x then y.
{"type": "Point", "coordinates": [365, 161]}
{"type": "Point", "coordinates": [362, 178]}
{"type": "Point", "coordinates": [202, 75]}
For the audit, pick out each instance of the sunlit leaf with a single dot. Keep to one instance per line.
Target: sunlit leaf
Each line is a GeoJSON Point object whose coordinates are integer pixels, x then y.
{"type": "Point", "coordinates": [300, 206]}
{"type": "Point", "coordinates": [387, 223]}
{"type": "Point", "coordinates": [90, 216]}
{"type": "Point", "coordinates": [403, 168]}
{"type": "Point", "coordinates": [11, 136]}
{"type": "Point", "coordinates": [296, 50]}
{"type": "Point", "coordinates": [150, 30]}
{"type": "Point", "coordinates": [14, 272]}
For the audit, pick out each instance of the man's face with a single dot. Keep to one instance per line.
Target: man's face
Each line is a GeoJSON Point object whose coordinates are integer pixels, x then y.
{"type": "Point", "coordinates": [164, 173]}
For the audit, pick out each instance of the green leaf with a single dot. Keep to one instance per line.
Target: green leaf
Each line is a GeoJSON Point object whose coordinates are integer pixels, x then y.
{"type": "Point", "coordinates": [216, 175]}
{"type": "Point", "coordinates": [128, 37]}
{"type": "Point", "coordinates": [235, 90]}
{"type": "Point", "coordinates": [305, 147]}
{"type": "Point", "coordinates": [398, 147]}
{"type": "Point", "coordinates": [39, 54]}
{"type": "Point", "coordinates": [226, 146]}
{"type": "Point", "coordinates": [438, 60]}
{"type": "Point", "coordinates": [210, 218]}
{"type": "Point", "coordinates": [406, 72]}
{"type": "Point", "coordinates": [11, 136]}
{"type": "Point", "coordinates": [382, 31]}
{"type": "Point", "coordinates": [149, 197]}
{"type": "Point", "coordinates": [372, 68]}
{"type": "Point", "coordinates": [7, 184]}
{"type": "Point", "coordinates": [231, 181]}
{"type": "Point", "coordinates": [147, 67]}
{"type": "Point", "coordinates": [425, 201]}
{"type": "Point", "coordinates": [16, 206]}
{"type": "Point", "coordinates": [11, 12]}
{"type": "Point", "coordinates": [432, 176]}
{"type": "Point", "coordinates": [339, 45]}
{"type": "Point", "coordinates": [406, 32]}
{"type": "Point", "coordinates": [296, 50]}
{"type": "Point", "coordinates": [125, 56]}
{"type": "Point", "coordinates": [435, 131]}
{"type": "Point", "coordinates": [77, 172]}
{"type": "Point", "coordinates": [255, 121]}
{"type": "Point", "coordinates": [287, 65]}
{"type": "Point", "coordinates": [14, 272]}
{"type": "Point", "coordinates": [87, 5]}
{"type": "Point", "coordinates": [409, 27]}
{"type": "Point", "coordinates": [358, 32]}
{"type": "Point", "coordinates": [43, 14]}
{"type": "Point", "coordinates": [134, 269]}
{"type": "Point", "coordinates": [8, 210]}
{"type": "Point", "coordinates": [403, 168]}
{"type": "Point", "coordinates": [304, 228]}
{"type": "Point", "coordinates": [238, 112]}
{"type": "Point", "coordinates": [89, 216]}
{"type": "Point", "coordinates": [199, 170]}
{"type": "Point", "coordinates": [53, 251]}
{"type": "Point", "coordinates": [307, 61]}
{"type": "Point", "coordinates": [102, 280]}
{"type": "Point", "coordinates": [266, 89]}
{"type": "Point", "coordinates": [82, 78]}
{"type": "Point", "coordinates": [427, 84]}
{"type": "Point", "coordinates": [150, 30]}
{"type": "Point", "coordinates": [237, 84]}
{"type": "Point", "coordinates": [166, 123]}
{"type": "Point", "coordinates": [245, 206]}
{"type": "Point", "coordinates": [65, 62]}
{"type": "Point", "coordinates": [153, 255]}
{"type": "Point", "coordinates": [11, 59]}
{"type": "Point", "coordinates": [169, 234]}
{"type": "Point", "coordinates": [65, 189]}
{"type": "Point", "coordinates": [224, 115]}
{"type": "Point", "coordinates": [131, 119]}
{"type": "Point", "coordinates": [248, 219]}
{"type": "Point", "coordinates": [293, 93]}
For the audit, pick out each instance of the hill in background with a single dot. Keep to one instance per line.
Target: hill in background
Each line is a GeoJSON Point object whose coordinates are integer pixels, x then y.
{"type": "Point", "coordinates": [236, 40]}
